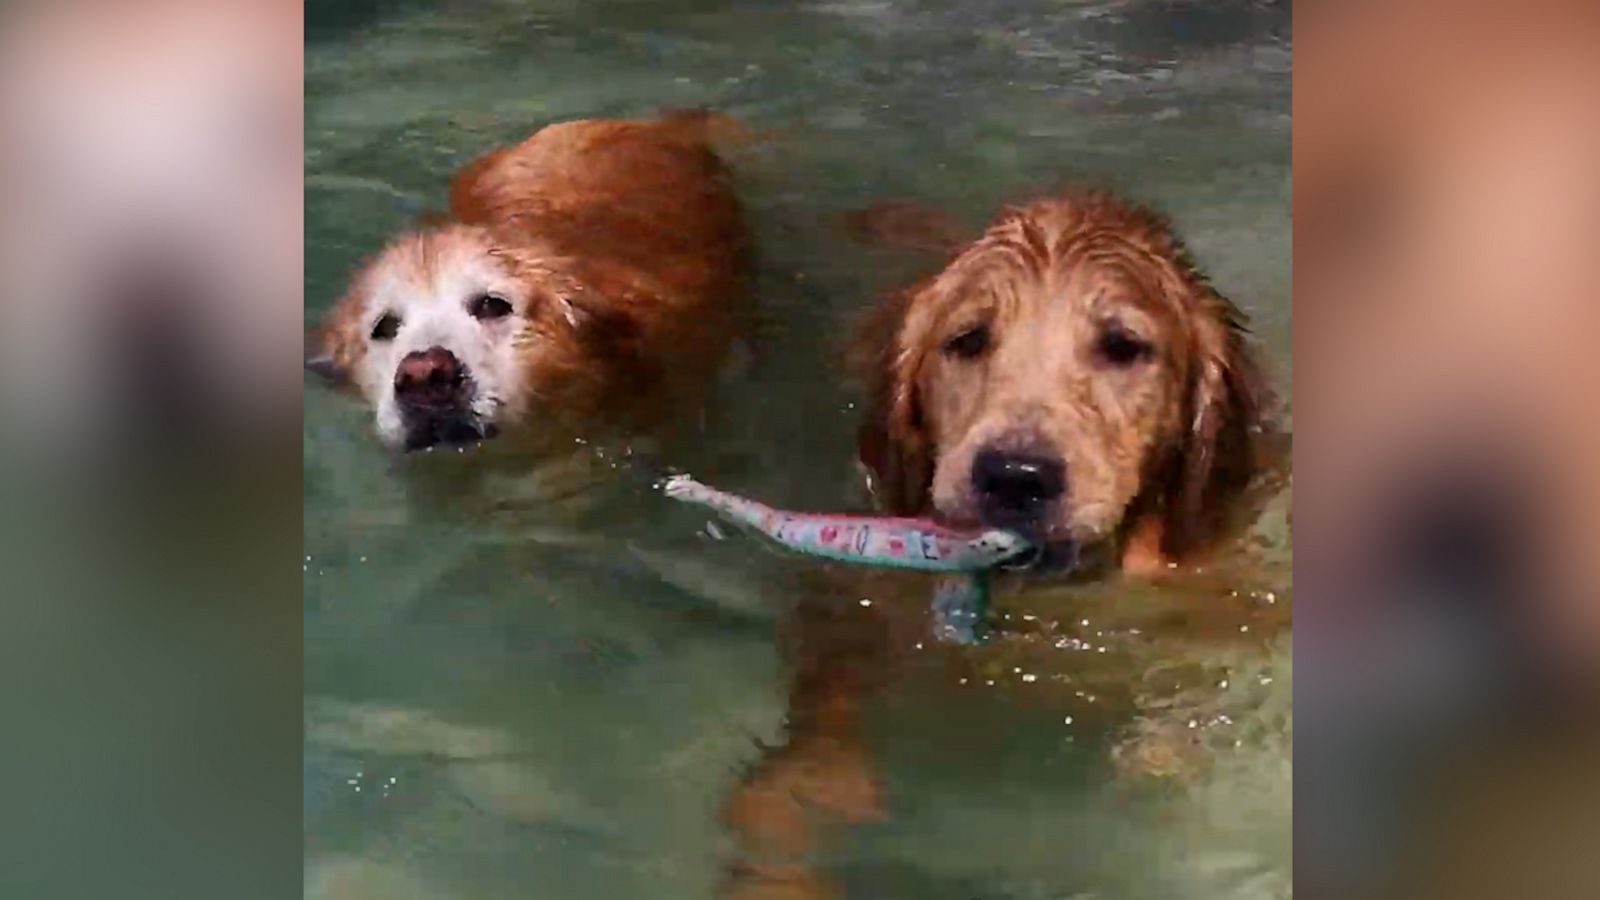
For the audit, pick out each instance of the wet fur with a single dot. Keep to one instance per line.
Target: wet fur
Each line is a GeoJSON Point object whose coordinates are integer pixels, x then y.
{"type": "Point", "coordinates": [1177, 463]}
{"type": "Point", "coordinates": [1162, 472]}
{"type": "Point", "coordinates": [624, 244]}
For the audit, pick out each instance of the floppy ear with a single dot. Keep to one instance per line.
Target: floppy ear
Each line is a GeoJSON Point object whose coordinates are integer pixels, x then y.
{"type": "Point", "coordinates": [320, 360]}
{"type": "Point", "coordinates": [892, 442]}
{"type": "Point", "coordinates": [1221, 451]}
{"type": "Point", "coordinates": [332, 348]}
{"type": "Point", "coordinates": [612, 334]}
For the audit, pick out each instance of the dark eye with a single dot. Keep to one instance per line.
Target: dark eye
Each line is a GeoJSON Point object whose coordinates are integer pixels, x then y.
{"type": "Point", "coordinates": [1121, 347]}
{"type": "Point", "coordinates": [386, 328]}
{"type": "Point", "coordinates": [489, 306]}
{"type": "Point", "coordinates": [969, 344]}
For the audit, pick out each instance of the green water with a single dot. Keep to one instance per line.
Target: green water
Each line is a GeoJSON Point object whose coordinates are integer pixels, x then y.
{"type": "Point", "coordinates": [544, 683]}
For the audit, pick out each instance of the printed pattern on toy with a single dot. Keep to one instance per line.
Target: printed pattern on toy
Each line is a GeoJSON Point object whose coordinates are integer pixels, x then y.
{"type": "Point", "coordinates": [960, 601]}
{"type": "Point", "coordinates": [904, 543]}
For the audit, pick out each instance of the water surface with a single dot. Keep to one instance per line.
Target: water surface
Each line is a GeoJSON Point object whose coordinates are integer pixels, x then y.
{"type": "Point", "coordinates": [547, 686]}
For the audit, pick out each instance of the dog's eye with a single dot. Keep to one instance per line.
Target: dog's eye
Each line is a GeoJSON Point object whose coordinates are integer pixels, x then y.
{"type": "Point", "coordinates": [489, 306]}
{"type": "Point", "coordinates": [386, 328]}
{"type": "Point", "coordinates": [969, 344]}
{"type": "Point", "coordinates": [1121, 347]}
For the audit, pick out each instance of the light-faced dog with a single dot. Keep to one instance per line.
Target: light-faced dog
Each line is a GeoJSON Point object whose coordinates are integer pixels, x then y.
{"type": "Point", "coordinates": [583, 275]}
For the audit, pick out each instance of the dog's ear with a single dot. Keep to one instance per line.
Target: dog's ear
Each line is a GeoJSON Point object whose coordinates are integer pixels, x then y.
{"type": "Point", "coordinates": [612, 334]}
{"type": "Point", "coordinates": [892, 441]}
{"type": "Point", "coordinates": [333, 347]}
{"type": "Point", "coordinates": [1221, 450]}
{"type": "Point", "coordinates": [319, 358]}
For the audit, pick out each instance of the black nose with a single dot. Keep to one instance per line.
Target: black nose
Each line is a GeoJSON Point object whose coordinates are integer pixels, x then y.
{"type": "Point", "coordinates": [1016, 486]}
{"type": "Point", "coordinates": [429, 379]}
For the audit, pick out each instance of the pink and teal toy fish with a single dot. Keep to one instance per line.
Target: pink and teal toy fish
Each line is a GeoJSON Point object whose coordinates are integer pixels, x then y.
{"type": "Point", "coordinates": [897, 543]}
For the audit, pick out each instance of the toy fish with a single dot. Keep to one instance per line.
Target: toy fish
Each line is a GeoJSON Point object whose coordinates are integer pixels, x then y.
{"type": "Point", "coordinates": [918, 545]}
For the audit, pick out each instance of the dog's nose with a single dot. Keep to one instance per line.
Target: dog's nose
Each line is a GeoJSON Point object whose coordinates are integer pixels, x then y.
{"type": "Point", "coordinates": [429, 378]}
{"type": "Point", "coordinates": [1017, 485]}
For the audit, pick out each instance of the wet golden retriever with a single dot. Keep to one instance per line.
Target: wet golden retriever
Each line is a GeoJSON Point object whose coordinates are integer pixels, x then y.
{"type": "Point", "coordinates": [584, 274]}
{"type": "Point", "coordinates": [1069, 374]}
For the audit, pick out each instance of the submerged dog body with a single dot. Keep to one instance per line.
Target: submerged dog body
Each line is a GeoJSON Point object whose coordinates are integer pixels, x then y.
{"type": "Point", "coordinates": [1068, 375]}
{"type": "Point", "coordinates": [586, 272]}
{"type": "Point", "coordinates": [1071, 375]}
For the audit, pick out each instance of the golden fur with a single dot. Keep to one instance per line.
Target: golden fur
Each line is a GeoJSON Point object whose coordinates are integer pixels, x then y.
{"type": "Point", "coordinates": [1152, 451]}
{"type": "Point", "coordinates": [619, 244]}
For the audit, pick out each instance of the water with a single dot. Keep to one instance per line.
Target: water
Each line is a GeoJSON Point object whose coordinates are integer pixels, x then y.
{"type": "Point", "coordinates": [547, 683]}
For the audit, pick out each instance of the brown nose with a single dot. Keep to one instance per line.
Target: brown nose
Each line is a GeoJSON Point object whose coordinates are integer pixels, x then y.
{"type": "Point", "coordinates": [429, 378]}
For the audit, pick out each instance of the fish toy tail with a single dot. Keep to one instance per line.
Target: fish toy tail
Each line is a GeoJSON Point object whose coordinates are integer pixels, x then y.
{"type": "Point", "coordinates": [747, 512]}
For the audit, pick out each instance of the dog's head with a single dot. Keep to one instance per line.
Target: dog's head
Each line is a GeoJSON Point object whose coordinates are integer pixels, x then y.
{"type": "Point", "coordinates": [454, 336]}
{"type": "Point", "coordinates": [1064, 374]}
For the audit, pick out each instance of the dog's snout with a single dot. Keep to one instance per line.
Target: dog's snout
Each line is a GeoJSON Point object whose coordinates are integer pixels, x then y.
{"type": "Point", "coordinates": [1017, 485]}
{"type": "Point", "coordinates": [431, 377]}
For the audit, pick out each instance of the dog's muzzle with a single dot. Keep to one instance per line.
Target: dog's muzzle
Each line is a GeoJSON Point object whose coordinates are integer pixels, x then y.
{"type": "Point", "coordinates": [434, 392]}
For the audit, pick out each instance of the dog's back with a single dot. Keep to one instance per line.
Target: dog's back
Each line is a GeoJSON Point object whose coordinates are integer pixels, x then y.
{"type": "Point", "coordinates": [649, 196]}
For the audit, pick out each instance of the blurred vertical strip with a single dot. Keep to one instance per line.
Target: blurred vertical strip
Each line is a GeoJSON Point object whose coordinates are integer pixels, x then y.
{"type": "Point", "coordinates": [151, 193]}
{"type": "Point", "coordinates": [1446, 219]}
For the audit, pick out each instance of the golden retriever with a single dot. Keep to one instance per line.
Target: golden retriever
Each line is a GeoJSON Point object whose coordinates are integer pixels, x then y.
{"type": "Point", "coordinates": [583, 274]}
{"type": "Point", "coordinates": [1069, 374]}
{"type": "Point", "coordinates": [1072, 375]}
